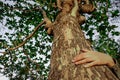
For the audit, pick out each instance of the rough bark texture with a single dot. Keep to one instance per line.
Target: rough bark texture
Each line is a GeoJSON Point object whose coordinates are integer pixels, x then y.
{"type": "Point", "coordinates": [68, 41]}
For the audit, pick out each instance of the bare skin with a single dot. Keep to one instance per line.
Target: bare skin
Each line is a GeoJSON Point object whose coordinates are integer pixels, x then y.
{"type": "Point", "coordinates": [92, 58]}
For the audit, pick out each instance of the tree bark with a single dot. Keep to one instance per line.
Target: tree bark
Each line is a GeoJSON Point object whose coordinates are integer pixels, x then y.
{"type": "Point", "coordinates": [68, 41]}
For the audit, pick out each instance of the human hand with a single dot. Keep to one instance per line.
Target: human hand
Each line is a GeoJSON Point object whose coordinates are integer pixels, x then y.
{"type": "Point", "coordinates": [92, 58]}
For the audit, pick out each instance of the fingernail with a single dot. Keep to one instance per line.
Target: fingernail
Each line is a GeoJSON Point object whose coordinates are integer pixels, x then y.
{"type": "Point", "coordinates": [76, 63]}
{"type": "Point", "coordinates": [73, 60]}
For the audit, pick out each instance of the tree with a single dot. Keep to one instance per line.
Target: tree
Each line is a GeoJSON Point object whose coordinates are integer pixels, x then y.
{"type": "Point", "coordinates": [68, 41]}
{"type": "Point", "coordinates": [33, 67]}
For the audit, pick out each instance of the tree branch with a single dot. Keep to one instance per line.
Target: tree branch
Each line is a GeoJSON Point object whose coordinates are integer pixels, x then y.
{"type": "Point", "coordinates": [75, 8]}
{"type": "Point", "coordinates": [27, 38]}
{"type": "Point", "coordinates": [46, 20]}
{"type": "Point", "coordinates": [43, 12]}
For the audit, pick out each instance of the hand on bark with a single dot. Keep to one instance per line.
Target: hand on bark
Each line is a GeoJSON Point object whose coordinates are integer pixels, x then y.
{"type": "Point", "coordinates": [92, 58]}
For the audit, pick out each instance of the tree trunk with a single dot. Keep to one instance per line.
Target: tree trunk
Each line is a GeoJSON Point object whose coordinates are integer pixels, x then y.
{"type": "Point", "coordinates": [68, 41]}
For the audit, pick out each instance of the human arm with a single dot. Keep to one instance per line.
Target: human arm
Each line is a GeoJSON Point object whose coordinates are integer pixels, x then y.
{"type": "Point", "coordinates": [92, 58]}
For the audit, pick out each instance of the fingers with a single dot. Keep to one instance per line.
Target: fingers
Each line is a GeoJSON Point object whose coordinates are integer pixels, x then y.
{"type": "Point", "coordinates": [83, 61]}
{"type": "Point", "coordinates": [87, 62]}
{"type": "Point", "coordinates": [91, 58]}
{"type": "Point", "coordinates": [78, 58]}
{"type": "Point", "coordinates": [84, 50]}
{"type": "Point", "coordinates": [91, 64]}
